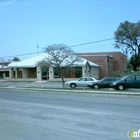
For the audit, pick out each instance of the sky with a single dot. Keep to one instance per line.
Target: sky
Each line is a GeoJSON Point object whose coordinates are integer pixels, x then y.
{"type": "Point", "coordinates": [26, 24]}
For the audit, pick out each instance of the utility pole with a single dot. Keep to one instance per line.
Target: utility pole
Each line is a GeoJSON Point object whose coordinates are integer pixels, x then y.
{"type": "Point", "coordinates": [37, 49]}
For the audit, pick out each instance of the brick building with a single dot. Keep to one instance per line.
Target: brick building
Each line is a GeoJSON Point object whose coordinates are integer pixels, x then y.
{"type": "Point", "coordinates": [109, 62]}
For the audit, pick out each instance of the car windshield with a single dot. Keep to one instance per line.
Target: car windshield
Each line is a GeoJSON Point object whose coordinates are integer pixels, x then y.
{"type": "Point", "coordinates": [123, 78]}
{"type": "Point", "coordinates": [104, 79]}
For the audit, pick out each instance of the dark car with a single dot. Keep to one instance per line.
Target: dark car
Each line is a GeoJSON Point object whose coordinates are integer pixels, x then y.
{"type": "Point", "coordinates": [103, 83]}
{"type": "Point", "coordinates": [129, 81]}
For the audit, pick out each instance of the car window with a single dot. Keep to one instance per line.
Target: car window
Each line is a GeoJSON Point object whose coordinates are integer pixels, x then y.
{"type": "Point", "coordinates": [114, 79]}
{"type": "Point", "coordinates": [130, 78]}
{"type": "Point", "coordinates": [82, 79]}
{"type": "Point", "coordinates": [138, 77]}
{"type": "Point", "coordinates": [89, 79]}
{"type": "Point", "coordinates": [107, 80]}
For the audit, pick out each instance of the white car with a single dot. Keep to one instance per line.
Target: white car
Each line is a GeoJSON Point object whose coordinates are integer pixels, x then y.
{"type": "Point", "coordinates": [82, 82]}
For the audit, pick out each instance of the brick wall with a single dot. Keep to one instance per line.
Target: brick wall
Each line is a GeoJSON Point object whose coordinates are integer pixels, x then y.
{"type": "Point", "coordinates": [109, 62]}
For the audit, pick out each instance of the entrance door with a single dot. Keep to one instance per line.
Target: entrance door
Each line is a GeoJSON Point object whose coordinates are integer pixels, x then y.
{"type": "Point", "coordinates": [45, 74]}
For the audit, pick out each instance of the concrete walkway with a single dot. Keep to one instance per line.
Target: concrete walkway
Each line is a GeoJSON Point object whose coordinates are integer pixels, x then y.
{"type": "Point", "coordinates": [57, 87]}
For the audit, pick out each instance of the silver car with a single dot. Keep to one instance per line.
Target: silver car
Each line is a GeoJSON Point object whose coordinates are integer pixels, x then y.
{"type": "Point", "coordinates": [82, 82]}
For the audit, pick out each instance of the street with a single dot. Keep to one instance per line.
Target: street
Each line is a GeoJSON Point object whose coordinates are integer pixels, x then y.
{"type": "Point", "coordinates": [44, 115]}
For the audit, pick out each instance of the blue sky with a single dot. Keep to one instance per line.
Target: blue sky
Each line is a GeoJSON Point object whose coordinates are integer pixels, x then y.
{"type": "Point", "coordinates": [24, 24]}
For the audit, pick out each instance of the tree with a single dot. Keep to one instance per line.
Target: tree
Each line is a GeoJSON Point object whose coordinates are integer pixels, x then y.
{"type": "Point", "coordinates": [16, 59]}
{"type": "Point", "coordinates": [127, 38]}
{"type": "Point", "coordinates": [135, 62]}
{"type": "Point", "coordinates": [129, 66]}
{"type": "Point", "coordinates": [58, 56]}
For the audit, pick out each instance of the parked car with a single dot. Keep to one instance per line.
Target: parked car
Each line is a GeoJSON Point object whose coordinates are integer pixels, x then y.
{"type": "Point", "coordinates": [103, 83]}
{"type": "Point", "coordinates": [82, 82]}
{"type": "Point", "coordinates": [129, 81]}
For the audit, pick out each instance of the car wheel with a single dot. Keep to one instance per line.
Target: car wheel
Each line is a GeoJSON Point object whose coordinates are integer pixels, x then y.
{"type": "Point", "coordinates": [96, 87]}
{"type": "Point", "coordinates": [120, 87]}
{"type": "Point", "coordinates": [72, 85]}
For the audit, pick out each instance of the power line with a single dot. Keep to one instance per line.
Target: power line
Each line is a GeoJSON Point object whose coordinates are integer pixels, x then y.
{"type": "Point", "coordinates": [69, 46]}
{"type": "Point", "coordinates": [91, 42]}
{"type": "Point", "coordinates": [95, 47]}
{"type": "Point", "coordinates": [20, 55]}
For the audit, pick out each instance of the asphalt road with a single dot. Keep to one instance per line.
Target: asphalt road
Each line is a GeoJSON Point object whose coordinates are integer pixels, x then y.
{"type": "Point", "coordinates": [38, 115]}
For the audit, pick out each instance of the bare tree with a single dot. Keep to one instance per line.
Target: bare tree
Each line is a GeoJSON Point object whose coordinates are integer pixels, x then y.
{"type": "Point", "coordinates": [60, 55]}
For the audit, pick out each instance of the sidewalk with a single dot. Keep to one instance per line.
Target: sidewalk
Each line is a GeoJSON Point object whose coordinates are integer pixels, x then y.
{"type": "Point", "coordinates": [38, 84]}
{"type": "Point", "coordinates": [57, 87]}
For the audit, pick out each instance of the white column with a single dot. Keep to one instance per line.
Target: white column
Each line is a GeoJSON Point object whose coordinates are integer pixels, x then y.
{"type": "Point", "coordinates": [24, 73]}
{"type": "Point", "coordinates": [87, 70]}
{"type": "Point", "coordinates": [39, 73]}
{"type": "Point", "coordinates": [51, 73]}
{"type": "Point", "coordinates": [84, 71]}
{"type": "Point", "coordinates": [11, 73]}
{"type": "Point", "coordinates": [3, 75]}
{"type": "Point", "coordinates": [16, 73]}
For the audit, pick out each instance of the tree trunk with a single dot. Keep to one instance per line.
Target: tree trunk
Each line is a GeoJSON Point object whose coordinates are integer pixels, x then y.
{"type": "Point", "coordinates": [134, 63]}
{"type": "Point", "coordinates": [134, 67]}
{"type": "Point", "coordinates": [63, 82]}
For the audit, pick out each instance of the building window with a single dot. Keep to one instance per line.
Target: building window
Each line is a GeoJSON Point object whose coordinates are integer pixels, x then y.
{"type": "Point", "coordinates": [56, 75]}
{"type": "Point", "coordinates": [78, 72]}
{"type": "Point", "coordinates": [31, 73]}
{"type": "Point", "coordinates": [75, 72]}
{"type": "Point", "coordinates": [95, 71]}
